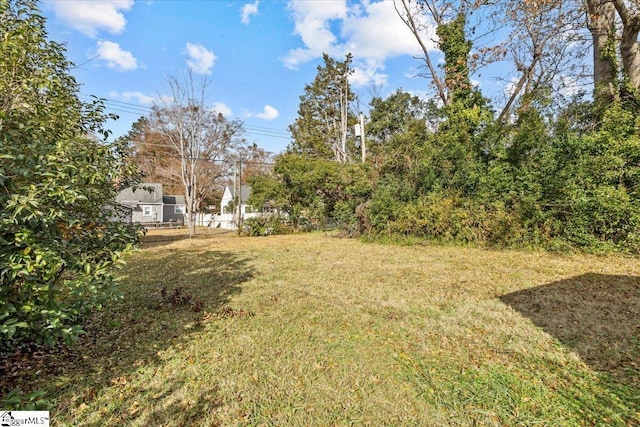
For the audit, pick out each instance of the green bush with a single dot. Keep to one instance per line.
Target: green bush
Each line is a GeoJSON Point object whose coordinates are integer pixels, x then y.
{"type": "Point", "coordinates": [59, 240]}
{"type": "Point", "coordinates": [453, 219]}
{"type": "Point", "coordinates": [266, 225]}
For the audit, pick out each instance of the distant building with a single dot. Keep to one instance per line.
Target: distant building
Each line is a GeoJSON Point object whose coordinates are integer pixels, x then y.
{"type": "Point", "coordinates": [149, 205]}
{"type": "Point", "coordinates": [174, 208]}
{"type": "Point", "coordinates": [229, 215]}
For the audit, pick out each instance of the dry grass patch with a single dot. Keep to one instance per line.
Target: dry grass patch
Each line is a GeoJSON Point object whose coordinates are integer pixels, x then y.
{"type": "Point", "coordinates": [315, 330]}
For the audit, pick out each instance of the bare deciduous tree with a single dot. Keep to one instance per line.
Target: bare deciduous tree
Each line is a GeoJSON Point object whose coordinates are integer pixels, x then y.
{"type": "Point", "coordinates": [541, 46]}
{"type": "Point", "coordinates": [202, 140]}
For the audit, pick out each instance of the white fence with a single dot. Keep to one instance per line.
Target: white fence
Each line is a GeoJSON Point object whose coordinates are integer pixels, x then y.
{"type": "Point", "coordinates": [226, 221]}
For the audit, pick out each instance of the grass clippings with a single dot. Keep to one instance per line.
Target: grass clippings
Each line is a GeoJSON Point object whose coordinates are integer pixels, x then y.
{"type": "Point", "coordinates": [315, 330]}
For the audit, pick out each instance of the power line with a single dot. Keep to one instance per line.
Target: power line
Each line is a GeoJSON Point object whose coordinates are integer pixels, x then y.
{"type": "Point", "coordinates": [204, 159]}
{"type": "Point", "coordinates": [175, 156]}
{"type": "Point", "coordinates": [125, 106]}
{"type": "Point", "coordinates": [266, 129]}
{"type": "Point", "coordinates": [130, 108]}
{"type": "Point", "coordinates": [114, 101]}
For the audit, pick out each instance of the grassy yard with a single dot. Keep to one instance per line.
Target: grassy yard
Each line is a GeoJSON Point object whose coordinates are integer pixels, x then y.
{"type": "Point", "coordinates": [316, 330]}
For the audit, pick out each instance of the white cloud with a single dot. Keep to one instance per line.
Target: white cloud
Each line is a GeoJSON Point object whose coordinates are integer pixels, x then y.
{"type": "Point", "coordinates": [115, 57]}
{"type": "Point", "coordinates": [200, 59]}
{"type": "Point", "coordinates": [90, 16]}
{"type": "Point", "coordinates": [377, 33]}
{"type": "Point", "coordinates": [372, 31]}
{"type": "Point", "coordinates": [367, 73]}
{"type": "Point", "coordinates": [222, 108]}
{"type": "Point", "coordinates": [268, 113]}
{"type": "Point", "coordinates": [248, 10]}
{"type": "Point", "coordinates": [135, 95]}
{"type": "Point", "coordinates": [313, 24]}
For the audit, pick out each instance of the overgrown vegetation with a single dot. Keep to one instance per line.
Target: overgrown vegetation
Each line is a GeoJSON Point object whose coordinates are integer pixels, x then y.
{"type": "Point", "coordinates": [266, 225]}
{"type": "Point", "coordinates": [59, 241]}
{"type": "Point", "coordinates": [313, 329]}
{"type": "Point", "coordinates": [560, 177]}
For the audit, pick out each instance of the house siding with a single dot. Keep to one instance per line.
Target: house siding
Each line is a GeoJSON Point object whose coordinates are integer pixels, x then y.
{"type": "Point", "coordinates": [138, 214]}
{"type": "Point", "coordinates": [151, 206]}
{"type": "Point", "coordinates": [169, 208]}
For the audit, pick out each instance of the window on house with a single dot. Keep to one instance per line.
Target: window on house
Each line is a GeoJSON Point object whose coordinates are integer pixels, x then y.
{"type": "Point", "coordinates": [146, 210]}
{"type": "Point", "coordinates": [248, 209]}
{"type": "Point", "coordinates": [178, 210]}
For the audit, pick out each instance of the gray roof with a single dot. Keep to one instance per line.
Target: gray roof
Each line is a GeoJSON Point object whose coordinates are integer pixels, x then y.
{"type": "Point", "coordinates": [245, 192]}
{"type": "Point", "coordinates": [173, 200]}
{"type": "Point", "coordinates": [142, 193]}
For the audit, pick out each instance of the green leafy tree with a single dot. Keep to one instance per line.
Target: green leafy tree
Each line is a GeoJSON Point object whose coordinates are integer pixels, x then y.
{"type": "Point", "coordinates": [400, 132]}
{"type": "Point", "coordinates": [297, 187]}
{"type": "Point", "coordinates": [322, 129]}
{"type": "Point", "coordinates": [399, 113]}
{"type": "Point", "coordinates": [309, 189]}
{"type": "Point", "coordinates": [59, 237]}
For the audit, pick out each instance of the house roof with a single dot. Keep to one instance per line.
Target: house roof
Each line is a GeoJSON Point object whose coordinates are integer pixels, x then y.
{"type": "Point", "coordinates": [245, 192]}
{"type": "Point", "coordinates": [126, 206]}
{"type": "Point", "coordinates": [143, 193]}
{"type": "Point", "coordinates": [173, 200]}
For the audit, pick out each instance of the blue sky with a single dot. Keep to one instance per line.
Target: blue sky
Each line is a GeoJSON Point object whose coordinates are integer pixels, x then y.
{"type": "Point", "coordinates": [257, 55]}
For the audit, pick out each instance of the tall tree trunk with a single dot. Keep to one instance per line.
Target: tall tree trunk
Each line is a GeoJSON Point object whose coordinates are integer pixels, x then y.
{"type": "Point", "coordinates": [407, 17]}
{"type": "Point", "coordinates": [629, 49]}
{"type": "Point", "coordinates": [344, 117]}
{"type": "Point", "coordinates": [601, 24]}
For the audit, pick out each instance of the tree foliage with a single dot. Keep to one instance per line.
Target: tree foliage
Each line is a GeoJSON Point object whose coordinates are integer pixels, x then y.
{"type": "Point", "coordinates": [548, 176]}
{"type": "Point", "coordinates": [59, 239]}
{"type": "Point", "coordinates": [322, 128]}
{"type": "Point", "coordinates": [547, 169]}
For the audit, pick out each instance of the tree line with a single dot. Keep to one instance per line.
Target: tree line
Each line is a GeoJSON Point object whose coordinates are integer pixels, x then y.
{"type": "Point", "coordinates": [543, 168]}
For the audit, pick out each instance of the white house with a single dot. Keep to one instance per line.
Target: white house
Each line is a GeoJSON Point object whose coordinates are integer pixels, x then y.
{"type": "Point", "coordinates": [229, 214]}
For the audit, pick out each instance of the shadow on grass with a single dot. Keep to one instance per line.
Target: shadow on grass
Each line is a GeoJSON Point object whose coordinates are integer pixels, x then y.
{"type": "Point", "coordinates": [598, 317]}
{"type": "Point", "coordinates": [133, 333]}
{"type": "Point", "coordinates": [157, 238]}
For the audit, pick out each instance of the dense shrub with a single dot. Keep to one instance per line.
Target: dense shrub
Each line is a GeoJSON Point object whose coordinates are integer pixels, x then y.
{"type": "Point", "coordinates": [59, 239]}
{"type": "Point", "coordinates": [557, 179]}
{"type": "Point", "coordinates": [267, 225]}
{"type": "Point", "coordinates": [531, 187]}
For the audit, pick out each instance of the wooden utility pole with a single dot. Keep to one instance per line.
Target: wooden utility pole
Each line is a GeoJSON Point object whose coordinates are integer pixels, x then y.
{"type": "Point", "coordinates": [239, 195]}
{"type": "Point", "coordinates": [362, 143]}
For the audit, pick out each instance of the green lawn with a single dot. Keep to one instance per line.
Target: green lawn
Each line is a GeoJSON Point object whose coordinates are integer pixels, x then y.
{"type": "Point", "coordinates": [316, 330]}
